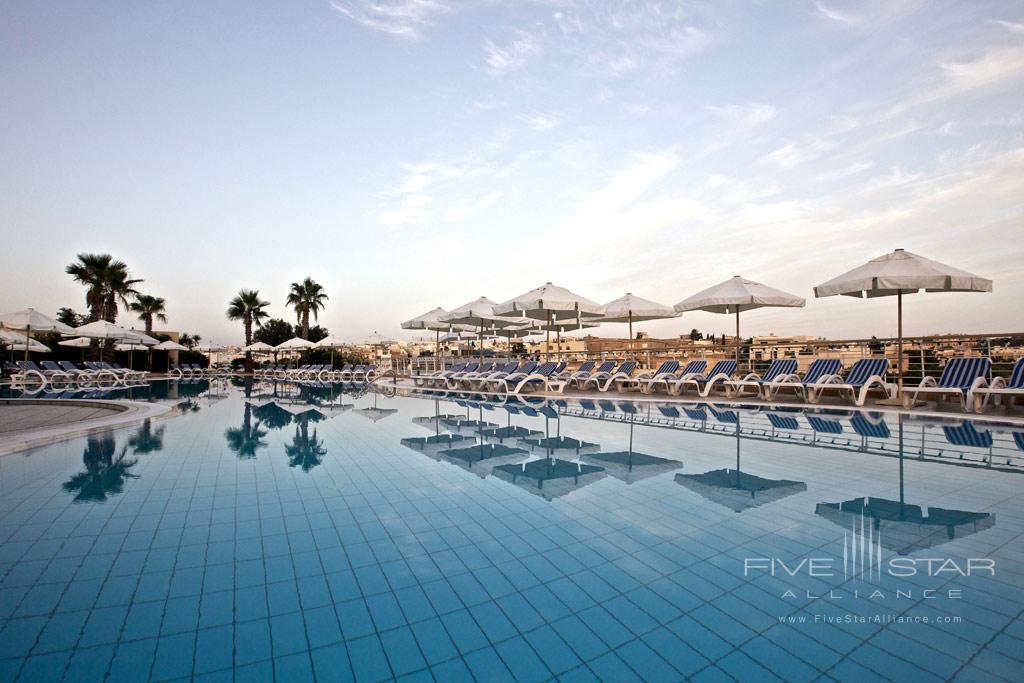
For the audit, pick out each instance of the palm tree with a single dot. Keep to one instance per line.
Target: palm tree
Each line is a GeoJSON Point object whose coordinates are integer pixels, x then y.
{"type": "Point", "coordinates": [149, 307]}
{"type": "Point", "coordinates": [305, 451]}
{"type": "Point", "coordinates": [189, 340]}
{"type": "Point", "coordinates": [105, 470]}
{"type": "Point", "coordinates": [248, 307]}
{"type": "Point", "coordinates": [306, 297]}
{"type": "Point", "coordinates": [247, 439]}
{"type": "Point", "coordinates": [69, 317]}
{"type": "Point", "coordinates": [107, 282]}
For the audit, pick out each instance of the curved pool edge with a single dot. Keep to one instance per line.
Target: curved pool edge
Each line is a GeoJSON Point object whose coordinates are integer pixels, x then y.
{"type": "Point", "coordinates": [123, 413]}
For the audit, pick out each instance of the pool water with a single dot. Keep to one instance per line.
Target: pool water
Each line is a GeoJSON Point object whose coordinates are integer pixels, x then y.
{"type": "Point", "coordinates": [289, 532]}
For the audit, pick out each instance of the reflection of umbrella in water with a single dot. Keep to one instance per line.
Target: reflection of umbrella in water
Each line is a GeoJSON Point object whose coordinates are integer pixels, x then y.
{"type": "Point", "coordinates": [437, 442]}
{"type": "Point", "coordinates": [374, 413]}
{"type": "Point", "coordinates": [629, 466]}
{"type": "Point", "coordinates": [549, 477]}
{"type": "Point", "coordinates": [509, 432]}
{"type": "Point", "coordinates": [549, 444]}
{"type": "Point", "coordinates": [901, 527]}
{"type": "Point", "coordinates": [736, 489]}
{"type": "Point", "coordinates": [489, 454]}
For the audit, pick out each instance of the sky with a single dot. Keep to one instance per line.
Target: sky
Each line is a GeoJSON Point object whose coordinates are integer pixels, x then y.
{"type": "Point", "coordinates": [409, 154]}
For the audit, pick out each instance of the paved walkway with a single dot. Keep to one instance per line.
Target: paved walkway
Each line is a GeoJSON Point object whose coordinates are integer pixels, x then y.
{"type": "Point", "coordinates": [35, 422]}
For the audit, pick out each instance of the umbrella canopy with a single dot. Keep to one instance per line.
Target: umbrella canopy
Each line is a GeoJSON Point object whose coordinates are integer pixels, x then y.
{"type": "Point", "coordinates": [76, 343]}
{"type": "Point", "coordinates": [129, 346]}
{"type": "Point", "coordinates": [902, 272]}
{"type": "Point", "coordinates": [16, 342]}
{"type": "Point", "coordinates": [170, 346]}
{"type": "Point", "coordinates": [480, 314]}
{"type": "Point", "coordinates": [899, 273]}
{"type": "Point", "coordinates": [376, 414]}
{"type": "Point", "coordinates": [631, 309]}
{"type": "Point", "coordinates": [904, 528]}
{"type": "Point", "coordinates": [209, 348]}
{"type": "Point", "coordinates": [144, 339]}
{"type": "Point", "coordinates": [258, 347]}
{"type": "Point", "coordinates": [331, 341]}
{"type": "Point", "coordinates": [431, 320]}
{"type": "Point", "coordinates": [101, 329]}
{"type": "Point", "coordinates": [376, 339]}
{"type": "Point", "coordinates": [738, 490]}
{"type": "Point", "coordinates": [735, 295]}
{"type": "Point", "coordinates": [29, 319]}
{"type": "Point", "coordinates": [549, 303]}
{"type": "Point", "coordinates": [294, 344]}
{"type": "Point", "coordinates": [549, 478]}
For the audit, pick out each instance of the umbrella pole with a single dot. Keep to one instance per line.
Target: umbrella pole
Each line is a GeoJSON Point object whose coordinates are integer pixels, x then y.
{"type": "Point", "coordinates": [632, 349]}
{"type": "Point", "coordinates": [437, 350]}
{"type": "Point", "coordinates": [899, 344]}
{"type": "Point", "coordinates": [481, 341]}
{"type": "Point", "coordinates": [738, 337]}
{"type": "Point", "coordinates": [547, 343]}
{"type": "Point", "coordinates": [28, 332]}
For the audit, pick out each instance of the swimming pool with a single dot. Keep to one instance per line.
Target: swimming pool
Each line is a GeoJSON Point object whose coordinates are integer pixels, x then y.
{"type": "Point", "coordinates": [274, 530]}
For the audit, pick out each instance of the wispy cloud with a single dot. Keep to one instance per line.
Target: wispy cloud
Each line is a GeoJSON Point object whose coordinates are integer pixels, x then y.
{"type": "Point", "coordinates": [432, 192]}
{"type": "Point", "coordinates": [1012, 26]}
{"type": "Point", "coordinates": [749, 115]}
{"type": "Point", "coordinates": [512, 56]}
{"type": "Point", "coordinates": [541, 122]}
{"type": "Point", "coordinates": [405, 18]}
{"type": "Point", "coordinates": [834, 14]}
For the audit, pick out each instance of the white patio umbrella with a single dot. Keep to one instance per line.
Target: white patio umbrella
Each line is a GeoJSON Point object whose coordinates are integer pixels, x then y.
{"type": "Point", "coordinates": [170, 346]}
{"type": "Point", "coordinates": [331, 342]}
{"type": "Point", "coordinates": [630, 309]}
{"type": "Point", "coordinates": [294, 344]}
{"type": "Point", "coordinates": [899, 273]}
{"type": "Point", "coordinates": [480, 314]}
{"type": "Point", "coordinates": [29, 319]}
{"type": "Point", "coordinates": [104, 331]}
{"type": "Point", "coordinates": [258, 347]}
{"type": "Point", "coordinates": [736, 295]}
{"type": "Point", "coordinates": [549, 303]}
{"type": "Point", "coordinates": [15, 342]}
{"type": "Point", "coordinates": [76, 343]}
{"type": "Point", "coordinates": [431, 320]}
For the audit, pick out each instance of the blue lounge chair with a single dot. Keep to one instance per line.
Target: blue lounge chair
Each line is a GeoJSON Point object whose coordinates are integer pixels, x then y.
{"type": "Point", "coordinates": [585, 368]}
{"type": "Point", "coordinates": [865, 375]}
{"type": "Point", "coordinates": [542, 378]}
{"type": "Point", "coordinates": [959, 378]}
{"type": "Point", "coordinates": [494, 382]}
{"type": "Point", "coordinates": [1013, 386]}
{"type": "Point", "coordinates": [668, 373]}
{"type": "Point", "coordinates": [705, 383]}
{"type": "Point", "coordinates": [604, 381]}
{"type": "Point", "coordinates": [451, 379]}
{"type": "Point", "coordinates": [819, 368]}
{"type": "Point", "coordinates": [580, 377]}
{"type": "Point", "coordinates": [780, 367]}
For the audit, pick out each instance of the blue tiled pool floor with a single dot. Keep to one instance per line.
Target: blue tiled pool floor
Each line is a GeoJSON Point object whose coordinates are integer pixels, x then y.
{"type": "Point", "coordinates": [254, 537]}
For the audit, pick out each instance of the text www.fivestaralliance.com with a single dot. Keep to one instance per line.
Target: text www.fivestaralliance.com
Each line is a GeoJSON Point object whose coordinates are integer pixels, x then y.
{"type": "Point", "coordinates": [882, 619]}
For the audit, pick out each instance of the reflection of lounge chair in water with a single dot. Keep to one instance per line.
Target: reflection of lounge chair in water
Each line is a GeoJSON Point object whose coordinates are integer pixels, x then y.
{"type": "Point", "coordinates": [905, 528]}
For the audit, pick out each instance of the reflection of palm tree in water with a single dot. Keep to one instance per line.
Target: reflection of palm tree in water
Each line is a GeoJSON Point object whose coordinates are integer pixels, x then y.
{"type": "Point", "coordinates": [105, 473]}
{"type": "Point", "coordinates": [273, 416]}
{"type": "Point", "coordinates": [146, 439]}
{"type": "Point", "coordinates": [247, 439]}
{"type": "Point", "coordinates": [305, 451]}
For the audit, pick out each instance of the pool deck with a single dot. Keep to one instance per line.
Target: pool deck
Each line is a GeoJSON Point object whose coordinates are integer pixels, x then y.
{"type": "Point", "coordinates": [28, 423]}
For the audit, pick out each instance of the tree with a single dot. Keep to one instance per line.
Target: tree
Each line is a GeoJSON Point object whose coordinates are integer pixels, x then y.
{"type": "Point", "coordinates": [149, 307]}
{"type": "Point", "coordinates": [695, 335]}
{"type": "Point", "coordinates": [248, 307]}
{"type": "Point", "coordinates": [306, 297]}
{"type": "Point", "coordinates": [107, 284]}
{"type": "Point", "coordinates": [244, 441]}
{"type": "Point", "coordinates": [274, 331]}
{"type": "Point", "coordinates": [316, 333]}
{"type": "Point", "coordinates": [106, 470]}
{"type": "Point", "coordinates": [71, 318]}
{"type": "Point", "coordinates": [189, 340]}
